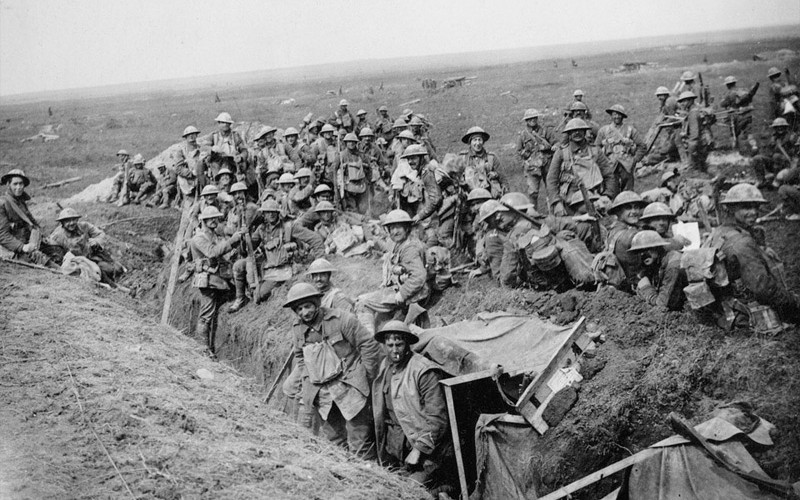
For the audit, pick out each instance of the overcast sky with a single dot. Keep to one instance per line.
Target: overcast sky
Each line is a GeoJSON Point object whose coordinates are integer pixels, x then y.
{"type": "Point", "coordinates": [58, 44]}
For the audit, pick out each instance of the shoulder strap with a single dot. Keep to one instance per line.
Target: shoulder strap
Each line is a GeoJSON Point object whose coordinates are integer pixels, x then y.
{"type": "Point", "coordinates": [22, 215]}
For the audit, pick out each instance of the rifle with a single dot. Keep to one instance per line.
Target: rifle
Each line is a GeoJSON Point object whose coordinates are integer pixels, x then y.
{"type": "Point", "coordinates": [591, 210]}
{"type": "Point", "coordinates": [659, 127]}
{"type": "Point", "coordinates": [522, 214]}
{"type": "Point", "coordinates": [251, 255]}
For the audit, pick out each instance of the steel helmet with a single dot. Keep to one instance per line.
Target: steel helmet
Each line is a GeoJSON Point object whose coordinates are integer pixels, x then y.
{"type": "Point", "coordinates": [576, 124]}
{"type": "Point", "coordinates": [662, 91]}
{"type": "Point", "coordinates": [730, 79]}
{"type": "Point", "coordinates": [779, 122]}
{"type": "Point", "coordinates": [407, 134]}
{"type": "Point", "coordinates": [270, 206]}
{"type": "Point", "coordinates": [313, 125]}
{"type": "Point", "coordinates": [264, 131]}
{"type": "Point", "coordinates": [578, 106]}
{"type": "Point", "coordinates": [399, 123]}
{"type": "Point", "coordinates": [415, 121]}
{"type": "Point", "coordinates": [237, 187]}
{"type": "Point", "coordinates": [617, 108]}
{"type": "Point", "coordinates": [407, 113]}
{"type": "Point", "coordinates": [209, 189]}
{"type": "Point", "coordinates": [15, 173]}
{"type": "Point", "coordinates": [656, 209]}
{"type": "Point", "coordinates": [687, 94]}
{"type": "Point", "coordinates": [286, 178]}
{"type": "Point", "coordinates": [366, 132]}
{"type": "Point", "coordinates": [191, 129]}
{"type": "Point", "coordinates": [351, 137]}
{"type": "Point", "coordinates": [472, 131]}
{"type": "Point", "coordinates": [361, 112]}
{"type": "Point", "coordinates": [68, 213]}
{"type": "Point", "coordinates": [577, 197]}
{"type": "Point", "coordinates": [479, 194]}
{"type": "Point", "coordinates": [300, 292]}
{"type": "Point", "coordinates": [302, 172]}
{"type": "Point", "coordinates": [647, 239]}
{"type": "Point", "coordinates": [273, 171]}
{"type": "Point", "coordinates": [531, 113]}
{"type": "Point", "coordinates": [669, 174]}
{"type": "Point", "coordinates": [687, 76]}
{"type": "Point", "coordinates": [577, 93]}
{"type": "Point", "coordinates": [122, 152]}
{"type": "Point", "coordinates": [397, 216]}
{"type": "Point", "coordinates": [773, 71]}
{"type": "Point", "coordinates": [211, 212]}
{"type": "Point", "coordinates": [396, 326]}
{"type": "Point", "coordinates": [223, 171]}
{"type": "Point", "coordinates": [626, 198]}
{"type": "Point", "coordinates": [743, 193]}
{"type": "Point", "coordinates": [383, 108]}
{"type": "Point", "coordinates": [322, 188]}
{"type": "Point", "coordinates": [290, 131]}
{"type": "Point", "coordinates": [138, 159]}
{"type": "Point", "coordinates": [327, 128]}
{"type": "Point", "coordinates": [324, 206]}
{"type": "Point", "coordinates": [320, 266]}
{"type": "Point", "coordinates": [489, 208]}
{"type": "Point", "coordinates": [518, 200]}
{"type": "Point", "coordinates": [344, 102]}
{"type": "Point", "coordinates": [224, 118]}
{"type": "Point", "coordinates": [414, 150]}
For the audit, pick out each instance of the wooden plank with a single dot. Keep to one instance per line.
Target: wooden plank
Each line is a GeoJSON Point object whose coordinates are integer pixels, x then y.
{"type": "Point", "coordinates": [451, 411]}
{"type": "Point", "coordinates": [603, 473]}
{"type": "Point", "coordinates": [512, 419]}
{"type": "Point", "coordinates": [471, 377]}
{"type": "Point", "coordinates": [528, 411]}
{"type": "Point", "coordinates": [176, 259]}
{"type": "Point", "coordinates": [287, 365]}
{"type": "Point", "coordinates": [554, 363]}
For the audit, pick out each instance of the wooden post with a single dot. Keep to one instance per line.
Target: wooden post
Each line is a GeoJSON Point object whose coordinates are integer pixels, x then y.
{"type": "Point", "coordinates": [176, 259]}
{"type": "Point", "coordinates": [451, 411]}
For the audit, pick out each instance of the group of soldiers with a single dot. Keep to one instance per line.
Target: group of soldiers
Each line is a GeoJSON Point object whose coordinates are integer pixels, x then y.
{"type": "Point", "coordinates": [261, 211]}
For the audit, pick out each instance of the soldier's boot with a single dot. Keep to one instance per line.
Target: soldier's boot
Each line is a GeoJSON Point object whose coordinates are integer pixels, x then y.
{"type": "Point", "coordinates": [534, 197]}
{"type": "Point", "coordinates": [202, 331]}
{"type": "Point", "coordinates": [241, 298]}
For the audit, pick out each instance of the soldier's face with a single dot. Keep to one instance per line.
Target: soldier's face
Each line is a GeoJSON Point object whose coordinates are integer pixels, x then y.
{"type": "Point", "coordinates": [322, 281]}
{"type": "Point", "coordinates": [286, 187]}
{"type": "Point", "coordinates": [70, 224]}
{"type": "Point", "coordinates": [191, 139]}
{"type": "Point", "coordinates": [579, 113]}
{"type": "Point", "coordinates": [662, 98]}
{"type": "Point", "coordinates": [413, 161]}
{"type": "Point", "coordinates": [616, 118]}
{"type": "Point", "coordinates": [650, 257]}
{"type": "Point", "coordinates": [291, 139]}
{"type": "Point", "coordinates": [303, 181]}
{"type": "Point", "coordinates": [261, 142]}
{"type": "Point", "coordinates": [578, 97]}
{"type": "Point", "coordinates": [324, 196]}
{"type": "Point", "coordinates": [272, 182]}
{"type": "Point", "coordinates": [210, 198]}
{"type": "Point", "coordinates": [272, 217]}
{"type": "Point", "coordinates": [384, 114]}
{"type": "Point", "coordinates": [399, 232]}
{"type": "Point", "coordinates": [327, 135]}
{"type": "Point", "coordinates": [505, 219]}
{"type": "Point", "coordinates": [326, 216]}
{"type": "Point", "coordinates": [686, 103]}
{"type": "Point", "coordinates": [781, 131]}
{"type": "Point", "coordinates": [630, 214]}
{"type": "Point", "coordinates": [397, 349]}
{"type": "Point", "coordinates": [212, 223]}
{"type": "Point", "coordinates": [306, 311]}
{"type": "Point", "coordinates": [416, 129]}
{"type": "Point", "coordinates": [224, 127]}
{"type": "Point", "coordinates": [123, 158]}
{"type": "Point", "coordinates": [532, 122]}
{"type": "Point", "coordinates": [224, 180]}
{"type": "Point", "coordinates": [577, 135]}
{"type": "Point", "coordinates": [16, 186]}
{"type": "Point", "coordinates": [660, 225]}
{"type": "Point", "coordinates": [240, 197]}
{"type": "Point", "coordinates": [270, 137]}
{"type": "Point", "coordinates": [368, 140]}
{"type": "Point", "coordinates": [746, 214]}
{"type": "Point", "coordinates": [351, 145]}
{"type": "Point", "coordinates": [476, 143]}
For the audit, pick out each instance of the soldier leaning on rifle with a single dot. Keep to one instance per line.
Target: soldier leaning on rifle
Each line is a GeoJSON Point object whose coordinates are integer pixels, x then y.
{"type": "Point", "coordinates": [84, 239]}
{"type": "Point", "coordinates": [338, 360]}
{"type": "Point", "coordinates": [777, 154]}
{"type": "Point", "coordinates": [20, 234]}
{"type": "Point", "coordinates": [535, 146]}
{"type": "Point", "coordinates": [228, 149]}
{"type": "Point", "coordinates": [119, 178]}
{"type": "Point", "coordinates": [578, 162]}
{"type": "Point", "coordinates": [754, 270]}
{"type": "Point", "coordinates": [411, 424]}
{"type": "Point", "coordinates": [660, 279]}
{"type": "Point", "coordinates": [212, 271]}
{"type": "Point", "coordinates": [622, 145]}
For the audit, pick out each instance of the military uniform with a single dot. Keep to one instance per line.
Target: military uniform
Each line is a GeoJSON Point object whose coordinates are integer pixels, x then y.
{"type": "Point", "coordinates": [534, 150]}
{"type": "Point", "coordinates": [575, 162]}
{"type": "Point", "coordinates": [343, 119]}
{"type": "Point", "coordinates": [16, 226]}
{"type": "Point", "coordinates": [119, 179]}
{"type": "Point", "coordinates": [383, 128]}
{"type": "Point", "coordinates": [190, 168]}
{"type": "Point", "coordinates": [356, 177]}
{"type": "Point", "coordinates": [224, 149]}
{"type": "Point", "coordinates": [299, 198]}
{"type": "Point", "coordinates": [737, 101]}
{"type": "Point", "coordinates": [624, 148]}
{"type": "Point", "coordinates": [141, 183]}
{"type": "Point", "coordinates": [664, 285]}
{"type": "Point", "coordinates": [87, 240]}
{"type": "Point", "coordinates": [480, 171]}
{"type": "Point", "coordinates": [512, 273]}
{"type": "Point", "coordinates": [166, 188]}
{"type": "Point", "coordinates": [770, 160]}
{"type": "Point", "coordinates": [696, 138]}
{"type": "Point", "coordinates": [620, 236]}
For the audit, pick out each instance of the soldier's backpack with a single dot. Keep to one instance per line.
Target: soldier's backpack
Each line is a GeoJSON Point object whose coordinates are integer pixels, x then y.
{"type": "Point", "coordinates": [606, 267]}
{"type": "Point", "coordinates": [576, 257]}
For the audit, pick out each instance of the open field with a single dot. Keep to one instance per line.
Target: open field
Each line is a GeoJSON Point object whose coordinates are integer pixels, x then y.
{"type": "Point", "coordinates": [651, 363]}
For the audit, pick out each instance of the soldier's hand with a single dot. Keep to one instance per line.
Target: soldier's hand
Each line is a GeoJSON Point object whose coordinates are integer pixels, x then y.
{"type": "Point", "coordinates": [27, 248]}
{"type": "Point", "coordinates": [474, 273]}
{"type": "Point", "coordinates": [413, 457]}
{"type": "Point", "coordinates": [682, 240]}
{"type": "Point", "coordinates": [398, 299]}
{"type": "Point", "coordinates": [237, 236]}
{"type": "Point", "coordinates": [559, 210]}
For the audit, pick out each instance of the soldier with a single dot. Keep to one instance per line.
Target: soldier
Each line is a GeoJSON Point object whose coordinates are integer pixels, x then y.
{"type": "Point", "coordinates": [375, 158]}
{"type": "Point", "coordinates": [84, 239]}
{"type": "Point", "coordinates": [297, 153]}
{"type": "Point", "coordinates": [470, 227]}
{"type": "Point", "coordinates": [300, 195]}
{"type": "Point", "coordinates": [404, 274]}
{"type": "Point", "coordinates": [119, 178]}
{"type": "Point", "coordinates": [383, 124]}
{"type": "Point", "coordinates": [686, 83]}
{"type": "Point", "coordinates": [695, 139]}
{"type": "Point", "coordinates": [189, 163]}
{"type": "Point", "coordinates": [775, 93]}
{"type": "Point", "coordinates": [419, 193]}
{"type": "Point", "coordinates": [166, 187]}
{"type": "Point", "coordinates": [401, 142]}
{"type": "Point", "coordinates": [243, 213]}
{"type": "Point", "coordinates": [224, 181]}
{"type": "Point", "coordinates": [326, 157]}
{"type": "Point", "coordinates": [755, 271]}
{"type": "Point", "coordinates": [535, 150]}
{"type": "Point", "coordinates": [576, 163]}
{"type": "Point", "coordinates": [479, 168]}
{"type": "Point", "coordinates": [20, 233]}
{"type": "Point", "coordinates": [666, 145]}
{"type": "Point", "coordinates": [211, 271]}
{"type": "Point", "coordinates": [286, 183]}
{"type": "Point", "coordinates": [410, 413]}
{"type": "Point", "coordinates": [627, 208]}
{"type": "Point", "coordinates": [622, 145]}
{"type": "Point", "coordinates": [740, 116]}
{"type": "Point", "coordinates": [783, 148]}
{"type": "Point", "coordinates": [577, 96]}
{"type": "Point", "coordinates": [361, 123]}
{"type": "Point", "coordinates": [228, 149]}
{"type": "Point", "coordinates": [319, 273]}
{"type": "Point", "coordinates": [269, 154]}
{"type": "Point", "coordinates": [141, 182]}
{"type": "Point", "coordinates": [579, 110]}
{"type": "Point", "coordinates": [658, 217]}
{"type": "Point", "coordinates": [338, 360]}
{"type": "Point", "coordinates": [416, 126]}
{"type": "Point", "coordinates": [209, 197]}
{"type": "Point", "coordinates": [789, 192]}
{"type": "Point", "coordinates": [355, 176]}
{"type": "Point", "coordinates": [342, 119]}
{"type": "Point", "coordinates": [311, 217]}
{"type": "Point", "coordinates": [660, 280]}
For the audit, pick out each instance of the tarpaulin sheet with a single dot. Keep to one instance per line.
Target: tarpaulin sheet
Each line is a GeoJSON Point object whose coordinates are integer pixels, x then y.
{"type": "Point", "coordinates": [512, 341]}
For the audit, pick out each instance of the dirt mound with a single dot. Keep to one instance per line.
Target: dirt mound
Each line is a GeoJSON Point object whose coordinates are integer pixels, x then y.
{"type": "Point", "coordinates": [107, 386]}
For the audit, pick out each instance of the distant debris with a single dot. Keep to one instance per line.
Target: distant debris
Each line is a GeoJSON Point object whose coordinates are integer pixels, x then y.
{"type": "Point", "coordinates": [631, 67]}
{"type": "Point", "coordinates": [574, 64]}
{"type": "Point", "coordinates": [288, 102]}
{"type": "Point", "coordinates": [508, 93]}
{"type": "Point", "coordinates": [330, 92]}
{"type": "Point", "coordinates": [456, 81]}
{"type": "Point", "coordinates": [429, 84]}
{"type": "Point", "coordinates": [46, 134]}
{"type": "Point", "coordinates": [216, 97]}
{"type": "Point", "coordinates": [409, 103]}
{"type": "Point", "coordinates": [775, 54]}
